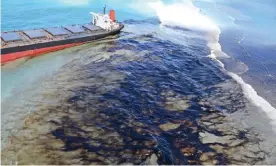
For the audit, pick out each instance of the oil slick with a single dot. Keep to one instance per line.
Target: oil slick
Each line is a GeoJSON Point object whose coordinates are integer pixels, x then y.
{"type": "Point", "coordinates": [120, 108]}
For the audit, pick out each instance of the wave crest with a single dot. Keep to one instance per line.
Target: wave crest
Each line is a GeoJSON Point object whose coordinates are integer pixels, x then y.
{"type": "Point", "coordinates": [184, 14]}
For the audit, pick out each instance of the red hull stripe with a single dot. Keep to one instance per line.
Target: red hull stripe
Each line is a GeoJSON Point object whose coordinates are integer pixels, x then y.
{"type": "Point", "coordinates": [12, 56]}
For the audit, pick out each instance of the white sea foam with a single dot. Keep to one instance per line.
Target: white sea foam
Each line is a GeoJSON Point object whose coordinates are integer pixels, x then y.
{"type": "Point", "coordinates": [186, 15]}
{"type": "Point", "coordinates": [254, 97]}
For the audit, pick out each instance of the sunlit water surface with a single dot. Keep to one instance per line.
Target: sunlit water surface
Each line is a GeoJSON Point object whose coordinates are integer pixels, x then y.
{"type": "Point", "coordinates": [149, 95]}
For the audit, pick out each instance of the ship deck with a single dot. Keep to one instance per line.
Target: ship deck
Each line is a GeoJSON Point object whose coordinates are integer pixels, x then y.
{"type": "Point", "coordinates": [43, 35]}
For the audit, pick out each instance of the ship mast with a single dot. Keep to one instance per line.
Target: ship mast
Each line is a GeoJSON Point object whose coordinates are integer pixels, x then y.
{"type": "Point", "coordinates": [104, 9]}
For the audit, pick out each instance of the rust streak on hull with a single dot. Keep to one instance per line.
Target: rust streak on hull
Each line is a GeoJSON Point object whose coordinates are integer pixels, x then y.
{"type": "Point", "coordinates": [17, 44]}
{"type": "Point", "coordinates": [30, 53]}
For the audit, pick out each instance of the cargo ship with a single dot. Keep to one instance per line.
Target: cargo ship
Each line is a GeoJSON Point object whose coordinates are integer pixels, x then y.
{"type": "Point", "coordinates": [28, 43]}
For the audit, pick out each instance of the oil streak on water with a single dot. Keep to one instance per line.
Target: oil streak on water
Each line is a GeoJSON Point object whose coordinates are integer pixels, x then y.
{"type": "Point", "coordinates": [151, 95]}
{"type": "Point", "coordinates": [140, 99]}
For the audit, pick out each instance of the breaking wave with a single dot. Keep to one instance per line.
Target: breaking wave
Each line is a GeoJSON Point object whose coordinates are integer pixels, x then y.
{"type": "Point", "coordinates": [188, 16]}
{"type": "Point", "coordinates": [150, 95]}
{"type": "Point", "coordinates": [184, 14]}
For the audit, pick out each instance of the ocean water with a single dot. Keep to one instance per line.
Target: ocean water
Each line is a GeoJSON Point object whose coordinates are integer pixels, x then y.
{"type": "Point", "coordinates": [186, 82]}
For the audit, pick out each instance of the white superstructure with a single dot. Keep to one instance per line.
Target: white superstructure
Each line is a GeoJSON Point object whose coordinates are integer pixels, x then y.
{"type": "Point", "coordinates": [104, 21]}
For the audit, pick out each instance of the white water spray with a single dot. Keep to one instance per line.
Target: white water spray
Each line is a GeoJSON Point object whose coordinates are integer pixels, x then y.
{"type": "Point", "coordinates": [184, 14]}
{"type": "Point", "coordinates": [188, 16]}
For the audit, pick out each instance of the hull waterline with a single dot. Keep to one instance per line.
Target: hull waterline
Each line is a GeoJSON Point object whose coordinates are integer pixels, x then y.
{"type": "Point", "coordinates": [11, 52]}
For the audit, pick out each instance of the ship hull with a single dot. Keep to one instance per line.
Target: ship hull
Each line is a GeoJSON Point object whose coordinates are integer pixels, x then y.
{"type": "Point", "coordinates": [31, 53]}
{"type": "Point", "coordinates": [13, 53]}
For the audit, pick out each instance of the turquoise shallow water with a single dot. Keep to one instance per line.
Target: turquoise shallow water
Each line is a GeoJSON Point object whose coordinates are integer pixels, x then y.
{"type": "Point", "coordinates": [46, 13]}
{"type": "Point", "coordinates": [149, 95]}
{"type": "Point", "coordinates": [43, 13]}
{"type": "Point", "coordinates": [247, 32]}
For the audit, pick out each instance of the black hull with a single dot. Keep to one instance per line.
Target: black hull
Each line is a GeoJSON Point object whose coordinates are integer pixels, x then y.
{"type": "Point", "coordinates": [60, 42]}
